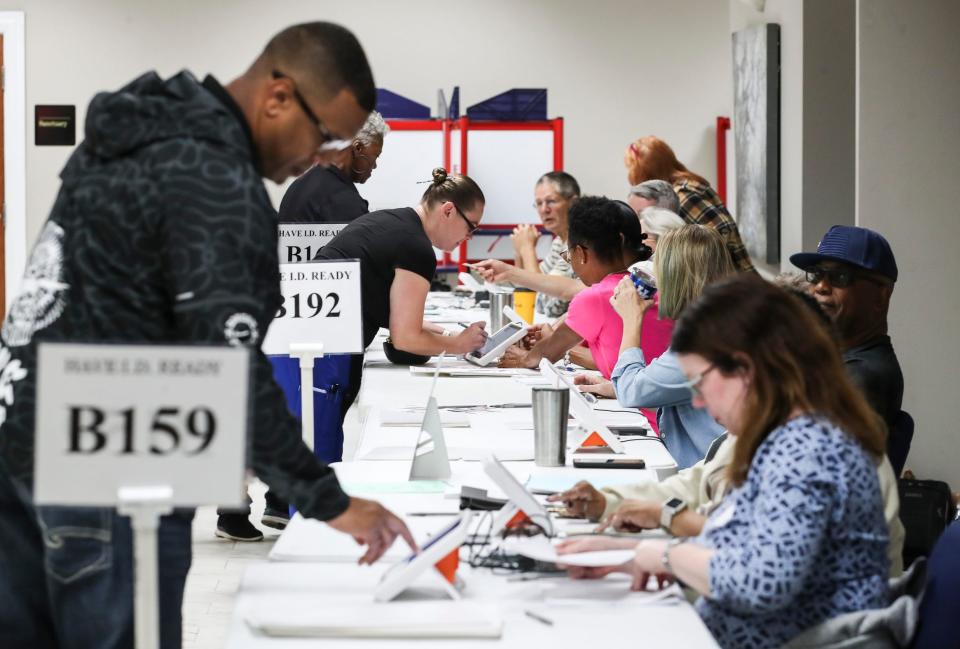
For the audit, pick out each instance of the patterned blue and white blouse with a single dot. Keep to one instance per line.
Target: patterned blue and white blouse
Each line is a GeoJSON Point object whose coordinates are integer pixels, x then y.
{"type": "Point", "coordinates": [801, 541]}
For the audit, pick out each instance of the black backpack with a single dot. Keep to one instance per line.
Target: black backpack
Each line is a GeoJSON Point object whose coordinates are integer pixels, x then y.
{"type": "Point", "coordinates": [926, 508]}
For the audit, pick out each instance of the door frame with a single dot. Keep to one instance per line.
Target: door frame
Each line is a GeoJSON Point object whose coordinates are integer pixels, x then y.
{"type": "Point", "coordinates": [15, 149]}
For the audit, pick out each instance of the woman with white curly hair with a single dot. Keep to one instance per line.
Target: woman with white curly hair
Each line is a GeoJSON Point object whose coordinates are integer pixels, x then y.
{"type": "Point", "coordinates": [327, 192]}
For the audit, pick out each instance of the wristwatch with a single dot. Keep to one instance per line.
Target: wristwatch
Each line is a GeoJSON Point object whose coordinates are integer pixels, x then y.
{"type": "Point", "coordinates": [670, 509]}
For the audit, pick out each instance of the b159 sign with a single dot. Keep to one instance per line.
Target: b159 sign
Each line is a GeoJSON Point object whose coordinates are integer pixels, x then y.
{"type": "Point", "coordinates": [111, 416]}
{"type": "Point", "coordinates": [321, 304]}
{"type": "Point", "coordinates": [299, 242]}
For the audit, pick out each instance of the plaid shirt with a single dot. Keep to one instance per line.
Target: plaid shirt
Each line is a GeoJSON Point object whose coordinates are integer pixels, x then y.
{"type": "Point", "coordinates": [700, 204]}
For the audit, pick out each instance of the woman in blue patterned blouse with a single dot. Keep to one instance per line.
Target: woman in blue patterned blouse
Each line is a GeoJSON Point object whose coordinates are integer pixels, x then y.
{"type": "Point", "coordinates": [801, 538]}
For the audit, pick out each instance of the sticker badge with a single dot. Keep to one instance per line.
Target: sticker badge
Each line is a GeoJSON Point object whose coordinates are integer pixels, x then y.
{"type": "Point", "coordinates": [241, 329]}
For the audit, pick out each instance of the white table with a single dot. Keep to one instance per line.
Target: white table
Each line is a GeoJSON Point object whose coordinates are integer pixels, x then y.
{"type": "Point", "coordinates": [603, 613]}
{"type": "Point", "coordinates": [600, 613]}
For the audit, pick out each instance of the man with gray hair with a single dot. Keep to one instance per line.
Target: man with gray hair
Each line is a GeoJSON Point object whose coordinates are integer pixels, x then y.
{"type": "Point", "coordinates": [327, 193]}
{"type": "Point", "coordinates": [653, 193]}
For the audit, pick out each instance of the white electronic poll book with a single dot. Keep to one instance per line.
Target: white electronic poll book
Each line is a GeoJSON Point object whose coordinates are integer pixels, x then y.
{"type": "Point", "coordinates": [497, 344]}
{"type": "Point", "coordinates": [581, 409]}
{"type": "Point", "coordinates": [403, 574]}
{"type": "Point", "coordinates": [518, 499]}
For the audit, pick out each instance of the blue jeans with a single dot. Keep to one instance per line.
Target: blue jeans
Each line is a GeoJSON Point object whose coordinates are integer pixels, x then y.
{"type": "Point", "coordinates": [66, 575]}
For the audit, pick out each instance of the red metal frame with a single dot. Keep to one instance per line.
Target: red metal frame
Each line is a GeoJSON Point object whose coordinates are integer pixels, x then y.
{"type": "Point", "coordinates": [723, 125]}
{"type": "Point", "coordinates": [465, 126]}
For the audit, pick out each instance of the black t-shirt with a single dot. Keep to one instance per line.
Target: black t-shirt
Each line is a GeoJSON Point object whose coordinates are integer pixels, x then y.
{"type": "Point", "coordinates": [876, 371]}
{"type": "Point", "coordinates": [383, 241]}
{"type": "Point", "coordinates": [322, 195]}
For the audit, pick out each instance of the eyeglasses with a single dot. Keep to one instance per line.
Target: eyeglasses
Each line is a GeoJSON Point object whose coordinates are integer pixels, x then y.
{"type": "Point", "coordinates": [566, 254]}
{"type": "Point", "coordinates": [694, 383]}
{"type": "Point", "coordinates": [471, 226]}
{"type": "Point", "coordinates": [838, 277]}
{"type": "Point", "coordinates": [548, 203]}
{"type": "Point", "coordinates": [331, 142]}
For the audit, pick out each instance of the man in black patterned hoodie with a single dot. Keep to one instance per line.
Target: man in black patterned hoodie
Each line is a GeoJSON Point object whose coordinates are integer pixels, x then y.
{"type": "Point", "coordinates": [163, 232]}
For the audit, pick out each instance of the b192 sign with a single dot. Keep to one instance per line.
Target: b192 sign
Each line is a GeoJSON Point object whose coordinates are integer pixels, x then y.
{"type": "Point", "coordinates": [111, 416]}
{"type": "Point", "coordinates": [321, 304]}
{"type": "Point", "coordinates": [299, 242]}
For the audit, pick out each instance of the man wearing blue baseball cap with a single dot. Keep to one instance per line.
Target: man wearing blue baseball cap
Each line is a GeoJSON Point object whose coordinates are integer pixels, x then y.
{"type": "Point", "coordinates": [852, 275]}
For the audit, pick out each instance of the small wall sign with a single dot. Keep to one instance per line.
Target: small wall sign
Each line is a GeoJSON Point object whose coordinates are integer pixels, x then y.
{"type": "Point", "coordinates": [55, 125]}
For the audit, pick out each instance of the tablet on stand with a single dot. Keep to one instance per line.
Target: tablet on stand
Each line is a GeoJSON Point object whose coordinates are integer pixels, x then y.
{"type": "Point", "coordinates": [438, 560]}
{"type": "Point", "coordinates": [521, 504]}
{"type": "Point", "coordinates": [599, 438]}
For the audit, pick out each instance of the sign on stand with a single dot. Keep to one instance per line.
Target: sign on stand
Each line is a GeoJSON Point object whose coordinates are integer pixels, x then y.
{"type": "Point", "coordinates": [299, 242]}
{"type": "Point", "coordinates": [111, 416]}
{"type": "Point", "coordinates": [321, 304]}
{"type": "Point", "coordinates": [143, 428]}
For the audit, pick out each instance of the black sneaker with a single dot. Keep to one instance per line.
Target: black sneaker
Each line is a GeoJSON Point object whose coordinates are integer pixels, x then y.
{"type": "Point", "coordinates": [276, 518]}
{"type": "Point", "coordinates": [237, 527]}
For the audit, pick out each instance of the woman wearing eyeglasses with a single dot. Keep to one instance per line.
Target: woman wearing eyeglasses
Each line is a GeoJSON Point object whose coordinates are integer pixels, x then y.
{"type": "Point", "coordinates": [553, 278]}
{"type": "Point", "coordinates": [801, 537]}
{"type": "Point", "coordinates": [397, 264]}
{"type": "Point", "coordinates": [604, 240]}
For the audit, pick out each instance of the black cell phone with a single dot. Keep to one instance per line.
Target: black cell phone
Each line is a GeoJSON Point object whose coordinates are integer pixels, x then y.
{"type": "Point", "coordinates": [609, 463]}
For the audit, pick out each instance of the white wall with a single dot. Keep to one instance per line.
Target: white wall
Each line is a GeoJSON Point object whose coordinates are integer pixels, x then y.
{"type": "Point", "coordinates": [908, 155]}
{"type": "Point", "coordinates": [603, 63]}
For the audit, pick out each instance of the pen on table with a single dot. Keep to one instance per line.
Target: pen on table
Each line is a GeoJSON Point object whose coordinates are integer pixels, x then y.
{"type": "Point", "coordinates": [538, 617]}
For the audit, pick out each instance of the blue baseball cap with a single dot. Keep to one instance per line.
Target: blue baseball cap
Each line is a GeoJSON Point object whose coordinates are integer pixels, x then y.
{"type": "Point", "coordinates": [858, 246]}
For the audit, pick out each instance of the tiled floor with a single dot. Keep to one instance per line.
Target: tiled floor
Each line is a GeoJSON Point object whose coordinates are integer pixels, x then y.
{"type": "Point", "coordinates": [215, 575]}
{"type": "Point", "coordinates": [218, 564]}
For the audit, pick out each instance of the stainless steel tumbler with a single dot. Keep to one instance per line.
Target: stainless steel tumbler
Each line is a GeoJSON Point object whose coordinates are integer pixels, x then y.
{"type": "Point", "coordinates": [498, 300]}
{"type": "Point", "coordinates": [551, 407]}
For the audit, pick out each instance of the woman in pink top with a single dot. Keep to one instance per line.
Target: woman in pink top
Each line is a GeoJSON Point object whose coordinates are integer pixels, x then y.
{"type": "Point", "coordinates": [604, 238]}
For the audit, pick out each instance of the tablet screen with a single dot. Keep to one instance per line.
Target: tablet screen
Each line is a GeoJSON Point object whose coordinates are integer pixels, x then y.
{"type": "Point", "coordinates": [435, 538]}
{"type": "Point", "coordinates": [496, 339]}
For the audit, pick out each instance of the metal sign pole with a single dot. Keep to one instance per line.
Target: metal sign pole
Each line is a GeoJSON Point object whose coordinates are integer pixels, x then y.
{"type": "Point", "coordinates": [307, 353]}
{"type": "Point", "coordinates": [145, 506]}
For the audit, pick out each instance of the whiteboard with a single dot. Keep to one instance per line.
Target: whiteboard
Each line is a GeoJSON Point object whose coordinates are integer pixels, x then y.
{"type": "Point", "coordinates": [408, 158]}
{"type": "Point", "coordinates": [506, 165]}
{"type": "Point", "coordinates": [483, 246]}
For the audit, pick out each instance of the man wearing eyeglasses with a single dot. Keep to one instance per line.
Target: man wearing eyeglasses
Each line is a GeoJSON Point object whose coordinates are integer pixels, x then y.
{"type": "Point", "coordinates": [852, 276]}
{"type": "Point", "coordinates": [163, 232]}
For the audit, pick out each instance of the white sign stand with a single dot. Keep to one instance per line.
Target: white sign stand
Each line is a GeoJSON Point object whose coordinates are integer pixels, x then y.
{"type": "Point", "coordinates": [430, 459]}
{"type": "Point", "coordinates": [145, 506]}
{"type": "Point", "coordinates": [148, 428]}
{"type": "Point", "coordinates": [307, 353]}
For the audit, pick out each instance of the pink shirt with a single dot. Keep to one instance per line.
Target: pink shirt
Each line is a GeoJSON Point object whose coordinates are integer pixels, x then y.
{"type": "Point", "coordinates": [592, 318]}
